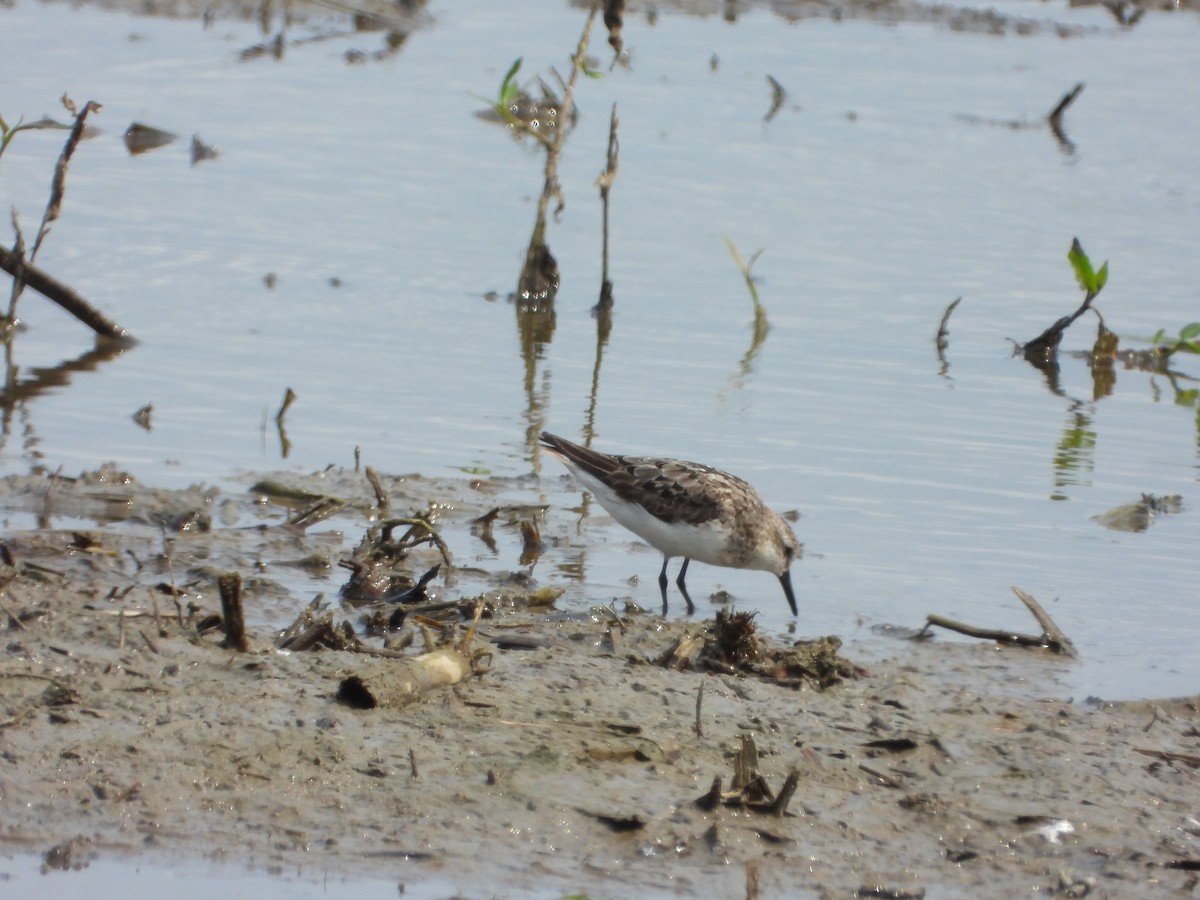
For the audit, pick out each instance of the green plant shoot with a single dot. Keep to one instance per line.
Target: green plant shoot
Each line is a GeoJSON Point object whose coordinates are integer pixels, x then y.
{"type": "Point", "coordinates": [1089, 279]}
{"type": "Point", "coordinates": [509, 89]}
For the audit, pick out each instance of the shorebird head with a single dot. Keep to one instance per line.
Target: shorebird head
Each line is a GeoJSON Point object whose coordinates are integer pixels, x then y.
{"type": "Point", "coordinates": [778, 551]}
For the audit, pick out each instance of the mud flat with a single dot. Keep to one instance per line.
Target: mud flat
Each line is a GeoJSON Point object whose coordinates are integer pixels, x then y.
{"type": "Point", "coordinates": [572, 762]}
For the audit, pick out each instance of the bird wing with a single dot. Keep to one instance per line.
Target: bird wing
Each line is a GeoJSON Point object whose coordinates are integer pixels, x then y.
{"type": "Point", "coordinates": [669, 489]}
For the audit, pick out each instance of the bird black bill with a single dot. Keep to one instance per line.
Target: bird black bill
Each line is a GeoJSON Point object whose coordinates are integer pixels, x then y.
{"type": "Point", "coordinates": [786, 580]}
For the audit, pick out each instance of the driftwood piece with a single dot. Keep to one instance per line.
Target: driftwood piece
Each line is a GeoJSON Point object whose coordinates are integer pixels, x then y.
{"type": "Point", "coordinates": [398, 684]}
{"type": "Point", "coordinates": [1052, 637]}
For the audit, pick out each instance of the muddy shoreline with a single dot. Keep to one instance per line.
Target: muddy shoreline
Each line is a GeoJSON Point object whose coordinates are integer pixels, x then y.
{"type": "Point", "coordinates": [572, 764]}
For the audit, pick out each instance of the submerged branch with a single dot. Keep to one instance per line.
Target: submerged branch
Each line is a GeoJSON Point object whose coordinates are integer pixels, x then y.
{"type": "Point", "coordinates": [64, 296]}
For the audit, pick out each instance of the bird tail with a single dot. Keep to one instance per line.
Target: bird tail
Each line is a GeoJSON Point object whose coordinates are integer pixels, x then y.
{"type": "Point", "coordinates": [594, 463]}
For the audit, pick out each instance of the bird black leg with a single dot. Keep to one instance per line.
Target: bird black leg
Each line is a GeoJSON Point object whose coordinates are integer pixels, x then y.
{"type": "Point", "coordinates": [662, 582]}
{"type": "Point", "coordinates": [682, 586]}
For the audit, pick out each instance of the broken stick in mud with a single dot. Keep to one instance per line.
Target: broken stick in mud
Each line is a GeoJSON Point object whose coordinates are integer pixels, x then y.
{"type": "Point", "coordinates": [1052, 637]}
{"type": "Point", "coordinates": [234, 621]}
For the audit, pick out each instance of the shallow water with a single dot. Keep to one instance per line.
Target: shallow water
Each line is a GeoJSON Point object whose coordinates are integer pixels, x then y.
{"type": "Point", "coordinates": [106, 878]}
{"type": "Point", "coordinates": [889, 184]}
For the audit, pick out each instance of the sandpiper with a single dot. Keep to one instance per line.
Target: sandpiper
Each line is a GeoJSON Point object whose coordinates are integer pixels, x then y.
{"type": "Point", "coordinates": [685, 509]}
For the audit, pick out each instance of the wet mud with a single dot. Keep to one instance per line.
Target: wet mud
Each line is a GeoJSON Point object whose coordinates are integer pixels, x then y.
{"type": "Point", "coordinates": [574, 760]}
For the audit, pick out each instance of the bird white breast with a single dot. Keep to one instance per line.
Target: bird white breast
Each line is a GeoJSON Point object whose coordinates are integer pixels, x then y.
{"type": "Point", "coordinates": [707, 543]}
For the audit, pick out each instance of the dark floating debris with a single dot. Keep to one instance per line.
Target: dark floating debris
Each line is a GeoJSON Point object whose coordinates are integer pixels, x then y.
{"type": "Point", "coordinates": [778, 96]}
{"type": "Point", "coordinates": [142, 416]}
{"type": "Point", "coordinates": [202, 151]}
{"type": "Point", "coordinates": [140, 138]}
{"type": "Point", "coordinates": [1140, 515]}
